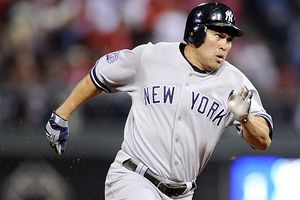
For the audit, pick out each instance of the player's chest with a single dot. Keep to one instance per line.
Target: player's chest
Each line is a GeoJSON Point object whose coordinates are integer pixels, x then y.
{"type": "Point", "coordinates": [173, 84]}
{"type": "Point", "coordinates": [186, 99]}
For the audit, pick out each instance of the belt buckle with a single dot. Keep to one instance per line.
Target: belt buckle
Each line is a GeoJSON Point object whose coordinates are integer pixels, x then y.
{"type": "Point", "coordinates": [171, 190]}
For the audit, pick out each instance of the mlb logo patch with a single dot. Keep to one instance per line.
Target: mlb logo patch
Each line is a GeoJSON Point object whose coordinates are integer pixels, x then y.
{"type": "Point", "coordinates": [112, 57]}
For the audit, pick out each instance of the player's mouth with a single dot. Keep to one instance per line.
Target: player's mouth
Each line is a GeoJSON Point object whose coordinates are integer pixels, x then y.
{"type": "Point", "coordinates": [220, 58]}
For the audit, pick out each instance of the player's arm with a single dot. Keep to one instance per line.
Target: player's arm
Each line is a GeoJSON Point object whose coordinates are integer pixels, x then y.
{"type": "Point", "coordinates": [256, 130]}
{"type": "Point", "coordinates": [83, 91]}
{"type": "Point", "coordinates": [57, 129]}
{"type": "Point", "coordinates": [116, 70]}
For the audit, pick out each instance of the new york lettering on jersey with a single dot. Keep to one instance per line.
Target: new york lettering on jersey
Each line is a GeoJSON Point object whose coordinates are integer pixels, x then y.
{"type": "Point", "coordinates": [202, 104]}
{"type": "Point", "coordinates": [206, 106]}
{"type": "Point", "coordinates": [159, 94]}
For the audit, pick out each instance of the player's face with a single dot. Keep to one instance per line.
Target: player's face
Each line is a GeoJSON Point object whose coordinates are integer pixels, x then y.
{"type": "Point", "coordinates": [214, 50]}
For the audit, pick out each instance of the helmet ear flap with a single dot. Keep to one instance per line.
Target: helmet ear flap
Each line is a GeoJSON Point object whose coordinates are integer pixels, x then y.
{"type": "Point", "coordinates": [196, 35]}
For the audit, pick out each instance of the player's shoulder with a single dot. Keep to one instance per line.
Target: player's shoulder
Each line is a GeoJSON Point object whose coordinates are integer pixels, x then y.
{"type": "Point", "coordinates": [160, 48]}
{"type": "Point", "coordinates": [235, 74]}
{"type": "Point", "coordinates": [227, 67]}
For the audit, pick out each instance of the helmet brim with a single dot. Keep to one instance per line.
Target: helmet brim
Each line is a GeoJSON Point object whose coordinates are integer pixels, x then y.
{"type": "Point", "coordinates": [226, 28]}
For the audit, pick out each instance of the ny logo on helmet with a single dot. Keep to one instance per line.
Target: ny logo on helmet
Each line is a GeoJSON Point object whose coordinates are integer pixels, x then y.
{"type": "Point", "coordinates": [229, 16]}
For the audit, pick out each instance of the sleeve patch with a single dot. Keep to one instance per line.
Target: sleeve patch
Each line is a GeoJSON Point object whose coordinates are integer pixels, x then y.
{"type": "Point", "coordinates": [112, 57]}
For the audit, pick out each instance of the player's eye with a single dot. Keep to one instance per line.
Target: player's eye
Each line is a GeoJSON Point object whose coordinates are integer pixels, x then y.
{"type": "Point", "coordinates": [224, 36]}
{"type": "Point", "coordinates": [229, 39]}
{"type": "Point", "coordinates": [219, 35]}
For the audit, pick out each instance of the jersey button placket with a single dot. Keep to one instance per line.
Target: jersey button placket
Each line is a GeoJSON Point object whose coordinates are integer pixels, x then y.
{"type": "Point", "coordinates": [182, 103]}
{"type": "Point", "coordinates": [177, 142]}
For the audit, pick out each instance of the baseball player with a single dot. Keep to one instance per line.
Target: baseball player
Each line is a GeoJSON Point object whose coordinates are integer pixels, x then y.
{"type": "Point", "coordinates": [183, 97]}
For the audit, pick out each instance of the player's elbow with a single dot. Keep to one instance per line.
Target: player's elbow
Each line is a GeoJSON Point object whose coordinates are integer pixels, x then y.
{"type": "Point", "coordinates": [263, 144]}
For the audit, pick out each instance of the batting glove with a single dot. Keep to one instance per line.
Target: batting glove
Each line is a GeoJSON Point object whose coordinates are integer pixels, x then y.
{"type": "Point", "coordinates": [57, 131]}
{"type": "Point", "coordinates": [239, 103]}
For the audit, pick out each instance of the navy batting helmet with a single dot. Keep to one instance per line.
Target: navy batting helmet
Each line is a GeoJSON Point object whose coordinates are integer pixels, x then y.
{"type": "Point", "coordinates": [216, 16]}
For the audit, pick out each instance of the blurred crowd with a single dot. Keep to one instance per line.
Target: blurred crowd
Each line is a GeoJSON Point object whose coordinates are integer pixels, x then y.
{"type": "Point", "coordinates": [47, 46]}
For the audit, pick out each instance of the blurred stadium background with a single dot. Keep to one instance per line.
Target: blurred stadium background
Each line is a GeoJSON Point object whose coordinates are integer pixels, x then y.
{"type": "Point", "coordinates": [47, 46]}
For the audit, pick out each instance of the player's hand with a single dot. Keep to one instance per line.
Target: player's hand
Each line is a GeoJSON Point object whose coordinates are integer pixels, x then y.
{"type": "Point", "coordinates": [57, 132]}
{"type": "Point", "coordinates": [239, 103]}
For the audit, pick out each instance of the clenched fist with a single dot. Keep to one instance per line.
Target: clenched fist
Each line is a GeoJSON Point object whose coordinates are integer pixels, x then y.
{"type": "Point", "coordinates": [57, 132]}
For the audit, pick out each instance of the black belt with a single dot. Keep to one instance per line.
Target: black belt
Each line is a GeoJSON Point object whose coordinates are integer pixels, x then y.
{"type": "Point", "coordinates": [169, 189]}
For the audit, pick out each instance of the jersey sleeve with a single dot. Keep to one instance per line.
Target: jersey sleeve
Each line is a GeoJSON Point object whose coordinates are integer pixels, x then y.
{"type": "Point", "coordinates": [116, 71]}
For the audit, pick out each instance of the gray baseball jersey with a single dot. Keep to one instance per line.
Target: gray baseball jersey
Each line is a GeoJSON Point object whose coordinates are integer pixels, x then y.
{"type": "Point", "coordinates": [177, 114]}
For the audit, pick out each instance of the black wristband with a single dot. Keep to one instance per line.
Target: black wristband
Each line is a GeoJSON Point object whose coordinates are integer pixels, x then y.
{"type": "Point", "coordinates": [244, 120]}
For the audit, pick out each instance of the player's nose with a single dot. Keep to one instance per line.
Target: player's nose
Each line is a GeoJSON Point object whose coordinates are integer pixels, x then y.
{"type": "Point", "coordinates": [225, 45]}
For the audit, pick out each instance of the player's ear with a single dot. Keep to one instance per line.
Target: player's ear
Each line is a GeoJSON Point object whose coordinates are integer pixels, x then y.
{"type": "Point", "coordinates": [194, 46]}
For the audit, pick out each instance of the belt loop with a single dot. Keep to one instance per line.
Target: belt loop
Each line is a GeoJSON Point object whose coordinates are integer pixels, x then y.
{"type": "Point", "coordinates": [141, 169]}
{"type": "Point", "coordinates": [188, 187]}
